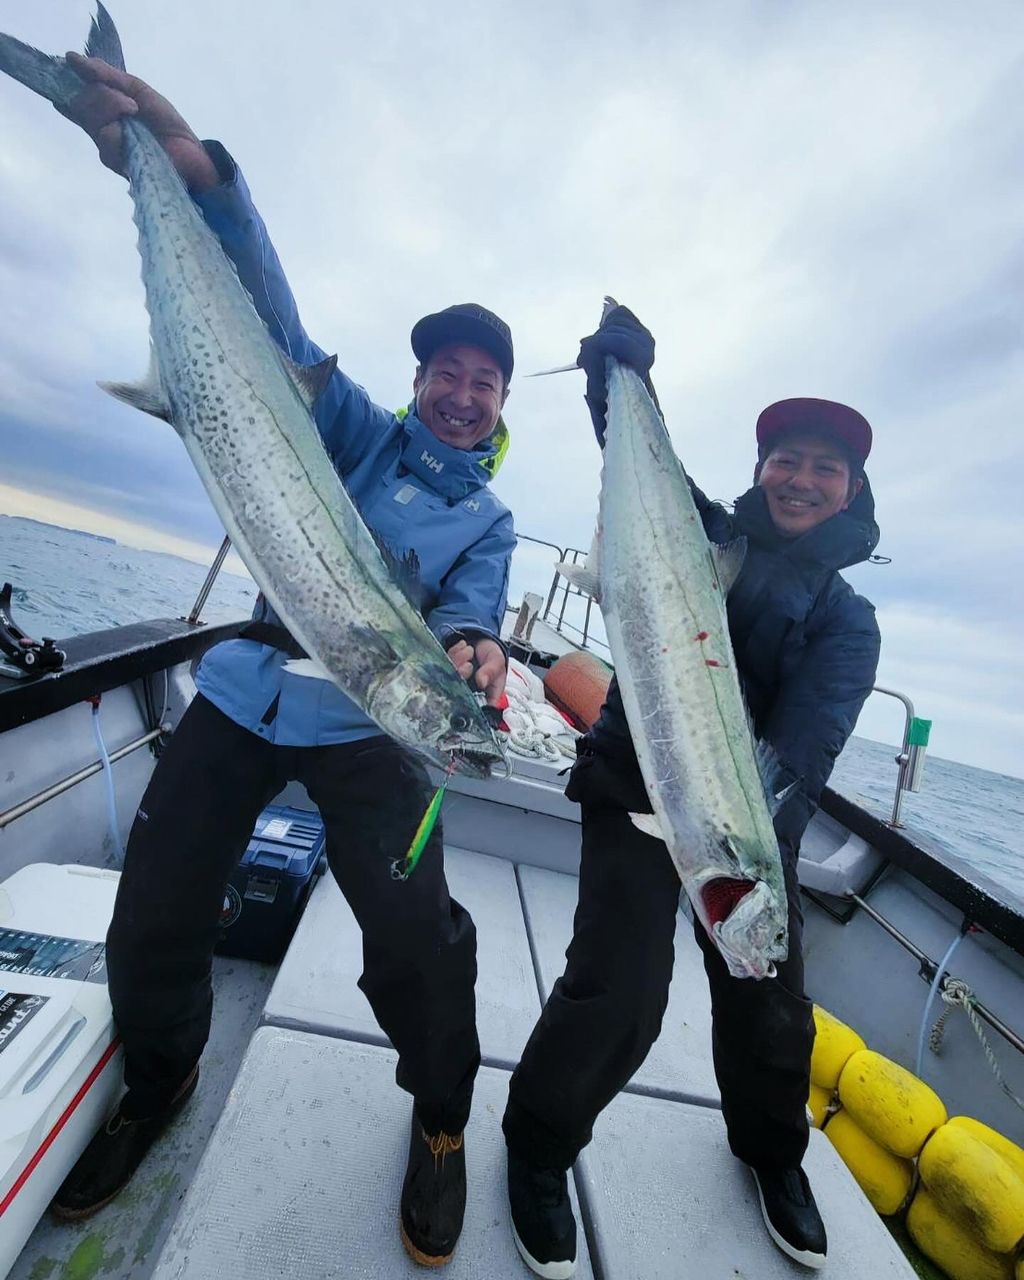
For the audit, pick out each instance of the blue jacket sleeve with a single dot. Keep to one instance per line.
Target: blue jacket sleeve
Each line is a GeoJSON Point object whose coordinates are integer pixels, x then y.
{"type": "Point", "coordinates": [347, 419]}
{"type": "Point", "coordinates": [475, 589]}
{"type": "Point", "coordinates": [817, 708]}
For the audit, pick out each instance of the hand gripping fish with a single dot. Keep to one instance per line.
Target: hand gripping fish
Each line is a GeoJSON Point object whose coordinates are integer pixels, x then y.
{"type": "Point", "coordinates": [243, 411]}
{"type": "Point", "coordinates": [661, 587]}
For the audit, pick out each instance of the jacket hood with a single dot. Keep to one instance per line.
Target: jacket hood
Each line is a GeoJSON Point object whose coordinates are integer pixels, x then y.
{"type": "Point", "coordinates": [842, 540]}
{"type": "Point", "coordinates": [454, 473]}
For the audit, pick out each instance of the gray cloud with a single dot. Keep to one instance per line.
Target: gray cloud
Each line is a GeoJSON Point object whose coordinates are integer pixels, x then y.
{"type": "Point", "coordinates": [798, 199]}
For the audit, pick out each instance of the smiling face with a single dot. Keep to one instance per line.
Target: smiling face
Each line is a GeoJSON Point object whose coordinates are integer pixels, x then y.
{"type": "Point", "coordinates": [459, 394]}
{"type": "Point", "coordinates": [806, 479]}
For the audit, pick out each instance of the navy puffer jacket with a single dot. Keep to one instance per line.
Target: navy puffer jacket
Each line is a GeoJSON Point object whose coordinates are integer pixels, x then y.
{"type": "Point", "coordinates": [806, 646]}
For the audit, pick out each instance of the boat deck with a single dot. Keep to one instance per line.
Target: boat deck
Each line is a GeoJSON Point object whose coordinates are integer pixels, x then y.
{"type": "Point", "coordinates": [302, 1174]}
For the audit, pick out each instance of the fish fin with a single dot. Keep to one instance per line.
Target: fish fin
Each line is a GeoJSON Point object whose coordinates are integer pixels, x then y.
{"type": "Point", "coordinates": [581, 576]}
{"type": "Point", "coordinates": [310, 379]}
{"type": "Point", "coordinates": [404, 568]}
{"type": "Point", "coordinates": [307, 667]}
{"type": "Point", "coordinates": [104, 42]}
{"type": "Point", "coordinates": [647, 823]}
{"type": "Point", "coordinates": [728, 561]}
{"type": "Point", "coordinates": [48, 76]}
{"type": "Point", "coordinates": [771, 769]}
{"type": "Point", "coordinates": [147, 395]}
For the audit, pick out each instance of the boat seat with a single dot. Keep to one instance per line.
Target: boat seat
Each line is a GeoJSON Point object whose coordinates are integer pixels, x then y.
{"type": "Point", "coordinates": [846, 870]}
{"type": "Point", "coordinates": [666, 1200]}
{"type": "Point", "coordinates": [679, 1065]}
{"type": "Point", "coordinates": [316, 990]}
{"type": "Point", "coordinates": [303, 1174]}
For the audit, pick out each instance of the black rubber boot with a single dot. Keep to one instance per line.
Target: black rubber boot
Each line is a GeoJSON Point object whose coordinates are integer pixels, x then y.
{"type": "Point", "coordinates": [107, 1164]}
{"type": "Point", "coordinates": [433, 1195]}
{"type": "Point", "coordinates": [543, 1224]}
{"type": "Point", "coordinates": [790, 1214]}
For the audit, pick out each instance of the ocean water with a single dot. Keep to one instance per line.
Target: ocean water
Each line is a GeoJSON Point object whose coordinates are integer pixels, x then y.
{"type": "Point", "coordinates": [67, 583]}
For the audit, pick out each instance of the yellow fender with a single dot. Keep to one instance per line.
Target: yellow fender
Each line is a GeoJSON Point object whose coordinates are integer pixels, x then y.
{"type": "Point", "coordinates": [889, 1103]}
{"type": "Point", "coordinates": [834, 1044]}
{"type": "Point", "coordinates": [950, 1245]}
{"type": "Point", "coordinates": [971, 1180]}
{"type": "Point", "coordinates": [884, 1178]}
{"type": "Point", "coordinates": [1011, 1153]}
{"type": "Point", "coordinates": [818, 1103]}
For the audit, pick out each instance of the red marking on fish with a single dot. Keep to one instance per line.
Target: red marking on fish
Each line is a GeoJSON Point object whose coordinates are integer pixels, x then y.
{"type": "Point", "coordinates": [701, 635]}
{"type": "Point", "coordinates": [711, 662]}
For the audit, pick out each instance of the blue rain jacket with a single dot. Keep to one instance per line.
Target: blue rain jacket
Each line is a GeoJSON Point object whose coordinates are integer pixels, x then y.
{"type": "Point", "coordinates": [415, 491]}
{"type": "Point", "coordinates": [806, 648]}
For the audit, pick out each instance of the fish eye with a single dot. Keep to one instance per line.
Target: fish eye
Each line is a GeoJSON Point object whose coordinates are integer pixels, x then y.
{"type": "Point", "coordinates": [780, 935]}
{"type": "Point", "coordinates": [459, 722]}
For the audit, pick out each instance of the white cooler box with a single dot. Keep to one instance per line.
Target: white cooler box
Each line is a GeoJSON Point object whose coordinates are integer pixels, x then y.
{"type": "Point", "coordinates": [60, 1060]}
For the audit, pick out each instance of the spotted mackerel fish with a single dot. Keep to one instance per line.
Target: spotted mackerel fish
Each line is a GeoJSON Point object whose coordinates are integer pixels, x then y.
{"type": "Point", "coordinates": [243, 411]}
{"type": "Point", "coordinates": [662, 588]}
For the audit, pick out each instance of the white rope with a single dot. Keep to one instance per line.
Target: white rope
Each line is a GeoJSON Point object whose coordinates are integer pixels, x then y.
{"type": "Point", "coordinates": [536, 730]}
{"type": "Point", "coordinates": [957, 994]}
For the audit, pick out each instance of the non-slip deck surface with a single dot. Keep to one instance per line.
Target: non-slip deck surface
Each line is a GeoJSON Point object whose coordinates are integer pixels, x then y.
{"type": "Point", "coordinates": [668, 1201]}
{"type": "Point", "coordinates": [303, 1177]}
{"type": "Point", "coordinates": [316, 984]}
{"type": "Point", "coordinates": [679, 1065]}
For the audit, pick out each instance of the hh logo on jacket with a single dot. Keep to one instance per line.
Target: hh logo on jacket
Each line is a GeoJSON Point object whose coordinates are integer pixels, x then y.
{"type": "Point", "coordinates": [431, 462]}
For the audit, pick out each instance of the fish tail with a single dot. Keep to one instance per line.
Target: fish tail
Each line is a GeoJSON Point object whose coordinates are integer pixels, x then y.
{"type": "Point", "coordinates": [50, 76]}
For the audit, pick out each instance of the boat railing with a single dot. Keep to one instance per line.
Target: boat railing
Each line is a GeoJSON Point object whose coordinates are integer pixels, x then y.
{"type": "Point", "coordinates": [561, 590]}
{"type": "Point", "coordinates": [910, 761]}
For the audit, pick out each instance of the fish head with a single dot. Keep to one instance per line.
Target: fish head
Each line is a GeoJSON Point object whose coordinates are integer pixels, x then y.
{"type": "Point", "coordinates": [748, 923]}
{"type": "Point", "coordinates": [435, 713]}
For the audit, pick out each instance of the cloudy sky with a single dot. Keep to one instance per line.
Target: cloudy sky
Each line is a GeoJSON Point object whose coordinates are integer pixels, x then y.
{"type": "Point", "coordinates": [798, 198]}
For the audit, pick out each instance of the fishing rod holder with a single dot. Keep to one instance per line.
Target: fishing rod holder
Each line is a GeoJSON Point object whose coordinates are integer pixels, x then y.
{"type": "Point", "coordinates": [20, 655]}
{"type": "Point", "coordinates": [911, 758]}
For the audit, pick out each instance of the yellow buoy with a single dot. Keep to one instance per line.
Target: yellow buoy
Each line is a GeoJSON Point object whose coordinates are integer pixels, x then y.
{"type": "Point", "coordinates": [889, 1103]}
{"type": "Point", "coordinates": [971, 1180]}
{"type": "Point", "coordinates": [950, 1245]}
{"type": "Point", "coordinates": [817, 1102]}
{"type": "Point", "coordinates": [1011, 1153]}
{"type": "Point", "coordinates": [834, 1044]}
{"type": "Point", "coordinates": [884, 1178]}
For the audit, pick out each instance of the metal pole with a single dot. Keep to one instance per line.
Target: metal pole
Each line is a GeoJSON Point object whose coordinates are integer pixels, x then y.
{"type": "Point", "coordinates": [207, 587]}
{"type": "Point", "coordinates": [929, 968]}
{"type": "Point", "coordinates": [58, 788]}
{"type": "Point", "coordinates": [904, 757]}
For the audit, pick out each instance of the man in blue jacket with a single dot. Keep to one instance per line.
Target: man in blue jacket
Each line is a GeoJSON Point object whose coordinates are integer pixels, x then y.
{"type": "Point", "coordinates": [420, 479]}
{"type": "Point", "coordinates": [806, 648]}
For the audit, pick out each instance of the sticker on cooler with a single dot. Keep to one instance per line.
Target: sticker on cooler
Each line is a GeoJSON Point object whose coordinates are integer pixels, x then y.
{"type": "Point", "coordinates": [275, 829]}
{"type": "Point", "coordinates": [44, 955]}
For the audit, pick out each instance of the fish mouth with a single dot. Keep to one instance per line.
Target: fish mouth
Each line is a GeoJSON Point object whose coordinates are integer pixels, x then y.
{"type": "Point", "coordinates": [721, 897]}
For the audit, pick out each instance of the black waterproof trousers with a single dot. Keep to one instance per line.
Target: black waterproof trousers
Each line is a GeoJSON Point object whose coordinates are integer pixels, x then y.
{"type": "Point", "coordinates": [606, 1010]}
{"type": "Point", "coordinates": [199, 810]}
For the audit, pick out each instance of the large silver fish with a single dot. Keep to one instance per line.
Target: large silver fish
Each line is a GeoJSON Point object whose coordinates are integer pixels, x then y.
{"type": "Point", "coordinates": [243, 411]}
{"type": "Point", "coordinates": [662, 587]}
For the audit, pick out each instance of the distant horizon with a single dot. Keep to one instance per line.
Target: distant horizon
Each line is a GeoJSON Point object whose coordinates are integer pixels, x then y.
{"type": "Point", "coordinates": [889, 744]}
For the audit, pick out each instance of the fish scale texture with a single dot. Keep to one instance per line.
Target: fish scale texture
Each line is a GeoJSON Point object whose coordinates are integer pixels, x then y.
{"type": "Point", "coordinates": [316, 989]}
{"type": "Point", "coordinates": [669, 1200]}
{"type": "Point", "coordinates": [257, 451]}
{"type": "Point", "coordinates": [303, 1174]}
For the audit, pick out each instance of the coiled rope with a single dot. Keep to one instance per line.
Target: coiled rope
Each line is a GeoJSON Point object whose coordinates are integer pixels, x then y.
{"type": "Point", "coordinates": [956, 994]}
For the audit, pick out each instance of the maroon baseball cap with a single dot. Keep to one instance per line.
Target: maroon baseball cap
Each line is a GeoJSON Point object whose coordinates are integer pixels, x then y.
{"type": "Point", "coordinates": [825, 417]}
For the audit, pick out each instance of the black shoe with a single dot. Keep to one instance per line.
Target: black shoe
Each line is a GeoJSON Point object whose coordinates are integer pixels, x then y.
{"type": "Point", "coordinates": [433, 1195]}
{"type": "Point", "coordinates": [542, 1219]}
{"type": "Point", "coordinates": [106, 1166]}
{"type": "Point", "coordinates": [790, 1214]}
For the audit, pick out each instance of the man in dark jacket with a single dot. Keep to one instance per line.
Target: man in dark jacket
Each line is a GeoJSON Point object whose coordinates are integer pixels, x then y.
{"type": "Point", "coordinates": [420, 478]}
{"type": "Point", "coordinates": [806, 648]}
